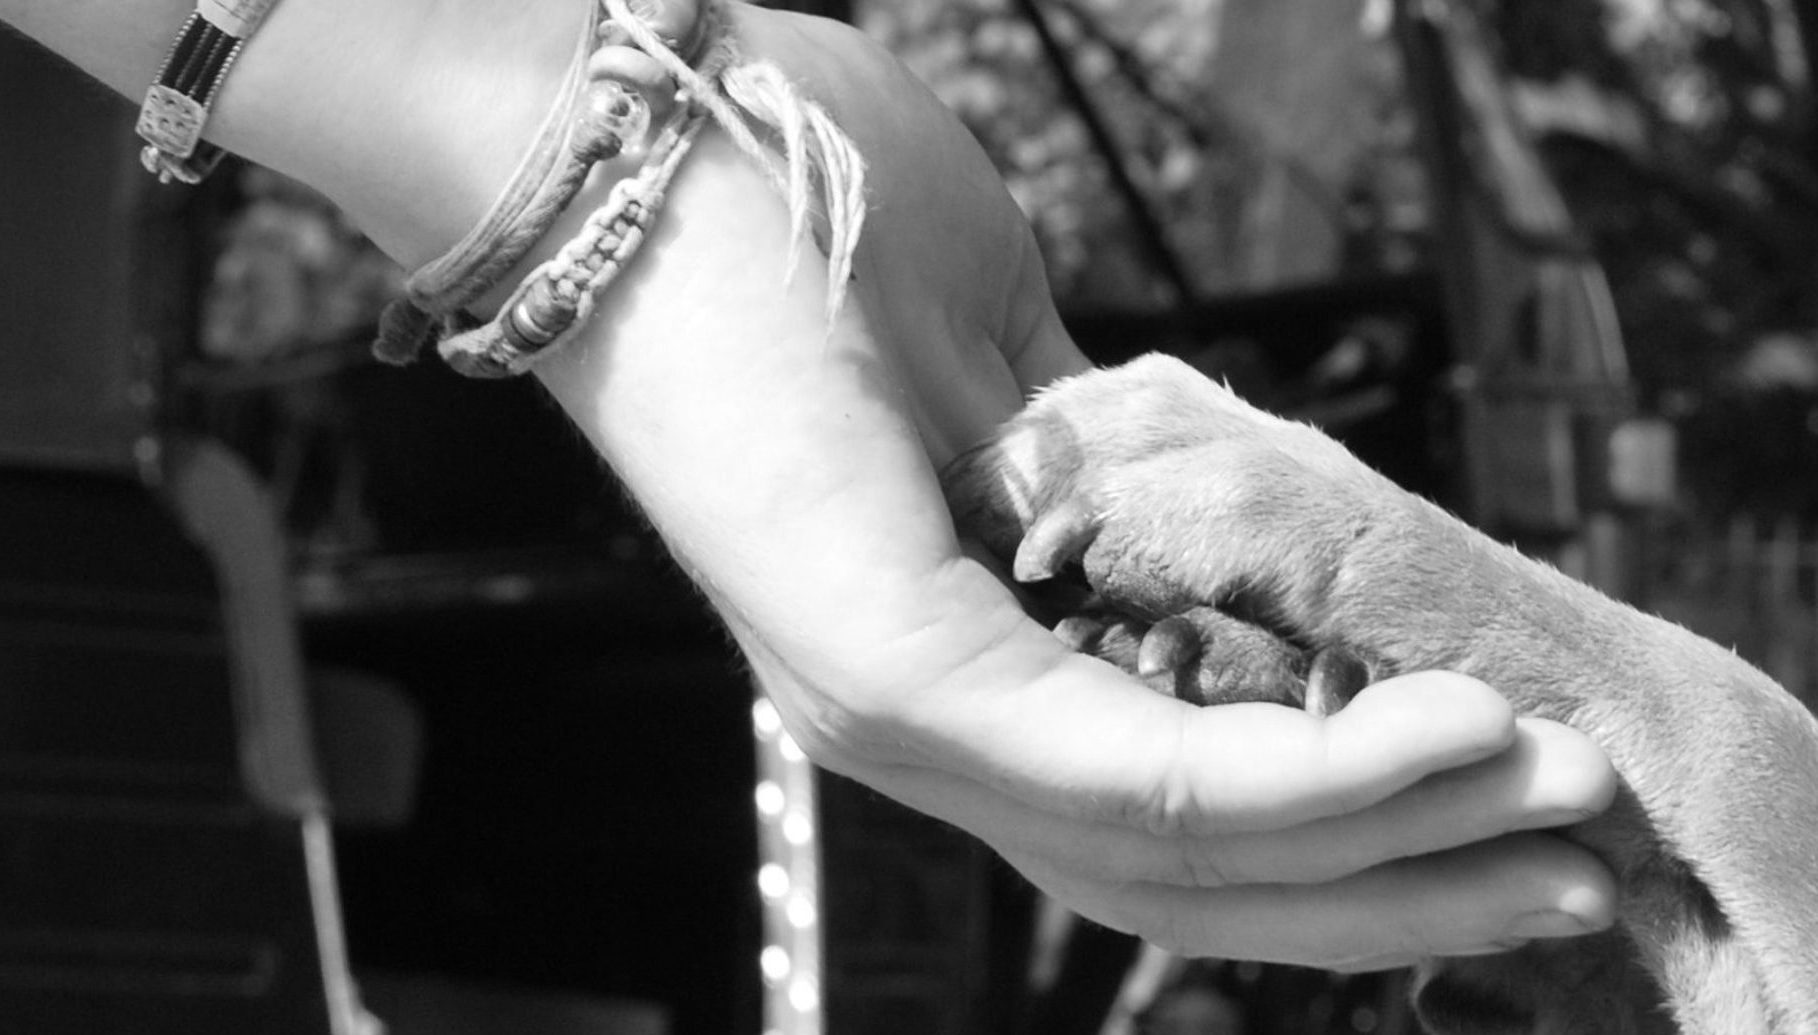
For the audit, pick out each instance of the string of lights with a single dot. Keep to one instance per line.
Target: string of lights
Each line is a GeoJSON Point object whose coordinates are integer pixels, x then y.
{"type": "Point", "coordinates": [788, 878]}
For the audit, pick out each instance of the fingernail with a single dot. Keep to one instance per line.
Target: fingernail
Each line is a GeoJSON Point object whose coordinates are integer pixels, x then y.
{"type": "Point", "coordinates": [1549, 924]}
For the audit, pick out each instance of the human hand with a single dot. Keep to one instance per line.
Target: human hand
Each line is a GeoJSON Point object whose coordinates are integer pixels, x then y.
{"type": "Point", "coordinates": [790, 466]}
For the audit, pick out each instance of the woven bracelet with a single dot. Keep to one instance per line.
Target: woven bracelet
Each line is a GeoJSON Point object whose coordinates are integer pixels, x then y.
{"type": "Point", "coordinates": [175, 110]}
{"type": "Point", "coordinates": [557, 298]}
{"type": "Point", "coordinates": [606, 104]}
{"type": "Point", "coordinates": [639, 77]}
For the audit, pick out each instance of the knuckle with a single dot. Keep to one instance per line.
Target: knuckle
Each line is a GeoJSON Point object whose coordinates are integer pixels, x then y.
{"type": "Point", "coordinates": [1165, 811]}
{"type": "Point", "coordinates": [1156, 815]}
{"type": "Point", "coordinates": [1179, 803]}
{"type": "Point", "coordinates": [1202, 865]}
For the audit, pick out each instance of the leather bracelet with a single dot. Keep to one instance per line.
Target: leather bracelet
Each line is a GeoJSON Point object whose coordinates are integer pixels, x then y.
{"type": "Point", "coordinates": [175, 110]}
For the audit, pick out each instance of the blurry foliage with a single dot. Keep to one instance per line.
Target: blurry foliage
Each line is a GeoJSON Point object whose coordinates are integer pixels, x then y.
{"type": "Point", "coordinates": [1705, 216]}
{"type": "Point", "coordinates": [1273, 141]}
{"type": "Point", "coordinates": [1213, 172]}
{"type": "Point", "coordinates": [1682, 132]}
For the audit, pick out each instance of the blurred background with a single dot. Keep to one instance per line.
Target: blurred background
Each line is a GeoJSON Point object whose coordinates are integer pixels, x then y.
{"type": "Point", "coordinates": [317, 674]}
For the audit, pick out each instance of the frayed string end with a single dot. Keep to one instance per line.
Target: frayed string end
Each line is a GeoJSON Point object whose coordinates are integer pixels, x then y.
{"type": "Point", "coordinates": [819, 165]}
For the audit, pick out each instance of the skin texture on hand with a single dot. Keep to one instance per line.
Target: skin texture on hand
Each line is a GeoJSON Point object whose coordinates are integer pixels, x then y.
{"type": "Point", "coordinates": [791, 468]}
{"type": "Point", "coordinates": [790, 465]}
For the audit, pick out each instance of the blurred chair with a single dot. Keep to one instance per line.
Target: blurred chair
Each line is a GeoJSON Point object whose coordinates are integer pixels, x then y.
{"type": "Point", "coordinates": [166, 858]}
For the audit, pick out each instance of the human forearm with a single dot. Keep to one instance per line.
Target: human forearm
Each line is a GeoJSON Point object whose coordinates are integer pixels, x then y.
{"type": "Point", "coordinates": [410, 114]}
{"type": "Point", "coordinates": [119, 43]}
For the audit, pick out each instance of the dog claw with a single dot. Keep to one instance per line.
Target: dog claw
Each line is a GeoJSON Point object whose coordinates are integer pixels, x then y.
{"type": "Point", "coordinates": [1079, 633]}
{"type": "Point", "coordinates": [1334, 677]}
{"type": "Point", "coordinates": [1170, 645]}
{"type": "Point", "coordinates": [1055, 538]}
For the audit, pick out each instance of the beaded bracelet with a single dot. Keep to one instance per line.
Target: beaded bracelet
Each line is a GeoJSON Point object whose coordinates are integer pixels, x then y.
{"type": "Point", "coordinates": [557, 298]}
{"type": "Point", "coordinates": [603, 108]}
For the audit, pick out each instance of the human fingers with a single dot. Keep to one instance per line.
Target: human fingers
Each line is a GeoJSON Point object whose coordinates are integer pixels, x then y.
{"type": "Point", "coordinates": [1076, 741]}
{"type": "Point", "coordinates": [1552, 776]}
{"type": "Point", "coordinates": [1472, 899]}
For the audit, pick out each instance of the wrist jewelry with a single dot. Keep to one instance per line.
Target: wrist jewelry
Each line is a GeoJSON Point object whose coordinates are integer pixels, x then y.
{"type": "Point", "coordinates": [175, 109]}
{"type": "Point", "coordinates": [629, 80]}
{"type": "Point", "coordinates": [603, 106]}
{"type": "Point", "coordinates": [558, 296]}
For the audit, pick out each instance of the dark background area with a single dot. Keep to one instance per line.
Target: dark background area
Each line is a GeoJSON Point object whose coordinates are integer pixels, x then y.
{"type": "Point", "coordinates": [582, 816]}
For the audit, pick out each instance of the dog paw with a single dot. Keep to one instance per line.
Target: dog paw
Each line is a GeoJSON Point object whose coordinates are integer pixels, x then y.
{"type": "Point", "coordinates": [1166, 493]}
{"type": "Point", "coordinates": [1205, 657]}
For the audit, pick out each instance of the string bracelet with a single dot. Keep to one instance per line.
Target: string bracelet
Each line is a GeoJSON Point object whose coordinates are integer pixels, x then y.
{"type": "Point", "coordinates": [558, 297]}
{"type": "Point", "coordinates": [601, 108]}
{"type": "Point", "coordinates": [636, 79]}
{"type": "Point", "coordinates": [544, 182]}
{"type": "Point", "coordinates": [819, 165]}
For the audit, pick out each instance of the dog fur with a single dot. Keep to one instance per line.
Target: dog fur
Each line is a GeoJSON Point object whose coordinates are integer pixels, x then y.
{"type": "Point", "coordinates": [1174, 496]}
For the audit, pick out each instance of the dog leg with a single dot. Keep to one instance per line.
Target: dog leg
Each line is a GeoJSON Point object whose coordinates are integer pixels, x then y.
{"type": "Point", "coordinates": [1675, 967]}
{"type": "Point", "coordinates": [1170, 494]}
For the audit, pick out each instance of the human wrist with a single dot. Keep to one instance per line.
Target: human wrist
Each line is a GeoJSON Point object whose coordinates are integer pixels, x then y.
{"type": "Point", "coordinates": [410, 115]}
{"type": "Point", "coordinates": [638, 93]}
